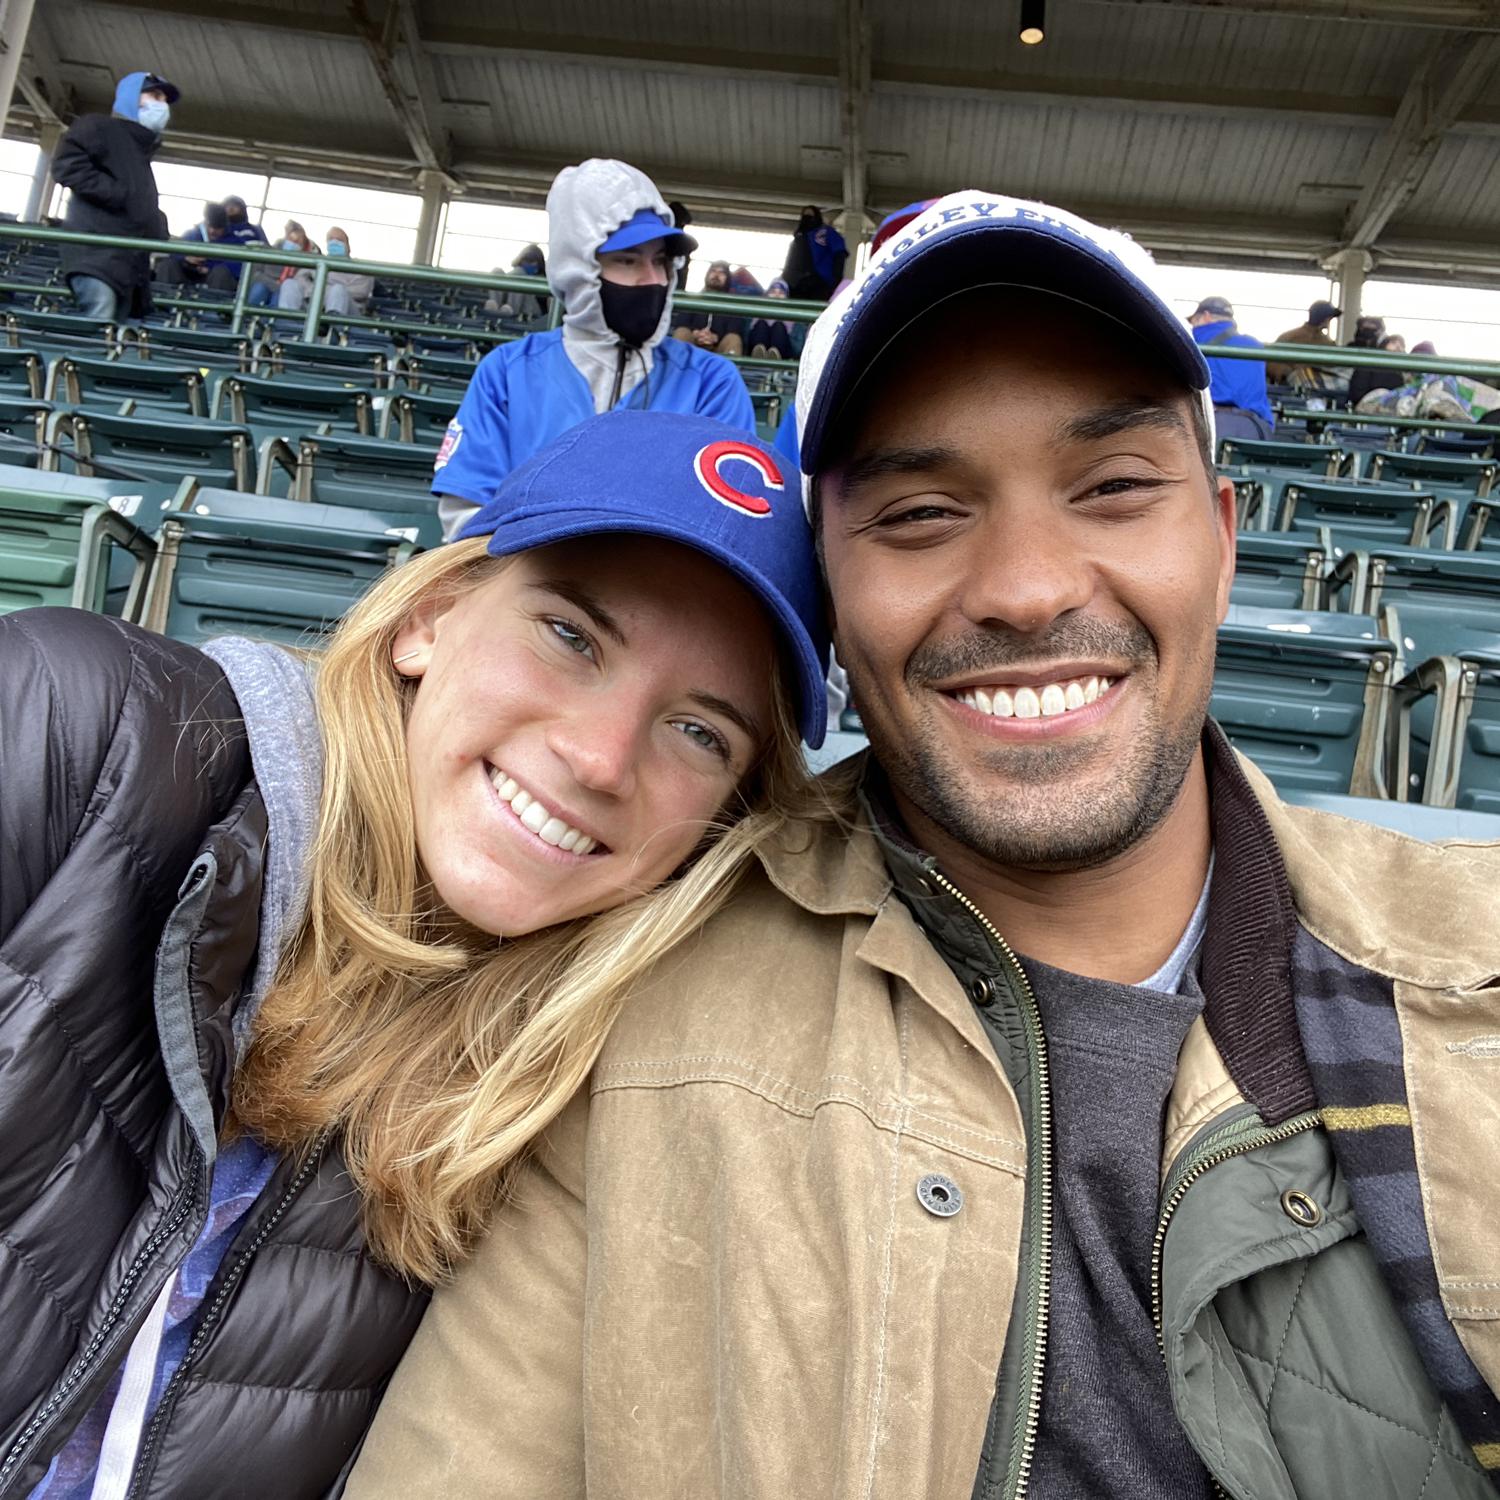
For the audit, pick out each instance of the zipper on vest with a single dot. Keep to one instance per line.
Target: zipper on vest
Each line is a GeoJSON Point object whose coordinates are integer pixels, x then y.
{"type": "Point", "coordinates": [37, 1425]}
{"type": "Point", "coordinates": [1235, 1139]}
{"type": "Point", "coordinates": [146, 1457]}
{"type": "Point", "coordinates": [1039, 1175]}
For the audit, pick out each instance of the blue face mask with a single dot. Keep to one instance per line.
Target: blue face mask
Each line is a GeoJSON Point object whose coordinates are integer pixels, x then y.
{"type": "Point", "coordinates": [290, 245]}
{"type": "Point", "coordinates": [337, 247]}
{"type": "Point", "coordinates": [154, 114]}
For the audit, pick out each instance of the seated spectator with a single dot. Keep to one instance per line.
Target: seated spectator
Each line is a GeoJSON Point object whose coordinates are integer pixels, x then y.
{"type": "Point", "coordinates": [1313, 331]}
{"type": "Point", "coordinates": [347, 293]}
{"type": "Point", "coordinates": [1238, 386]}
{"type": "Point", "coordinates": [777, 338]}
{"type": "Point", "coordinates": [613, 258]}
{"type": "Point", "coordinates": [743, 283]}
{"type": "Point", "coordinates": [815, 258]}
{"type": "Point", "coordinates": [1364, 380]}
{"type": "Point", "coordinates": [1368, 333]}
{"type": "Point", "coordinates": [241, 230]}
{"type": "Point", "coordinates": [203, 270]}
{"type": "Point", "coordinates": [719, 333]}
{"type": "Point", "coordinates": [530, 262]}
{"type": "Point", "coordinates": [266, 279]}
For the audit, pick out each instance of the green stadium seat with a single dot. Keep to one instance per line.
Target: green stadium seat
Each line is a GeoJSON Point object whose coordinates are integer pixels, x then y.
{"type": "Point", "coordinates": [1437, 596]}
{"type": "Point", "coordinates": [1307, 695]}
{"type": "Point", "coordinates": [208, 346]}
{"type": "Point", "coordinates": [1302, 458]}
{"type": "Point", "coordinates": [1281, 571]}
{"type": "Point", "coordinates": [154, 387]}
{"type": "Point", "coordinates": [22, 373]}
{"type": "Point", "coordinates": [1363, 515]}
{"type": "Point", "coordinates": [438, 374]}
{"type": "Point", "coordinates": [51, 334]}
{"type": "Point", "coordinates": [165, 450]}
{"type": "Point", "coordinates": [328, 364]}
{"type": "Point", "coordinates": [59, 539]}
{"type": "Point", "coordinates": [23, 430]}
{"type": "Point", "coordinates": [1477, 728]}
{"type": "Point", "coordinates": [1444, 474]}
{"type": "Point", "coordinates": [373, 474]}
{"type": "Point", "coordinates": [279, 570]}
{"type": "Point", "coordinates": [284, 406]}
{"type": "Point", "coordinates": [417, 418]}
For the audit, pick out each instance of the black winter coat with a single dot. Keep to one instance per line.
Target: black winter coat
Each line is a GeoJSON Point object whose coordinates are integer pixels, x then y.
{"type": "Point", "coordinates": [106, 161]}
{"type": "Point", "coordinates": [131, 839]}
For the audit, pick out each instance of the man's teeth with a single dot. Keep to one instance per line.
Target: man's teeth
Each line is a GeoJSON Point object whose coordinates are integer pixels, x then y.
{"type": "Point", "coordinates": [550, 829]}
{"type": "Point", "coordinates": [1027, 703]}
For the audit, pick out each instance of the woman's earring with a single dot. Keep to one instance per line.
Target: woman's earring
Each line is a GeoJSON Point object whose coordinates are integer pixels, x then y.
{"type": "Point", "coordinates": [396, 661]}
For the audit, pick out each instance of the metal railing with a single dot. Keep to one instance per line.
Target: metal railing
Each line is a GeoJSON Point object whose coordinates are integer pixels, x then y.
{"type": "Point", "coordinates": [239, 309]}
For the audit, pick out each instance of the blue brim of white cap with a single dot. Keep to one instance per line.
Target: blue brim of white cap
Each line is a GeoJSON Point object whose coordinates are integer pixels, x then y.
{"type": "Point", "coordinates": [965, 242]}
{"type": "Point", "coordinates": [631, 234]}
{"type": "Point", "coordinates": [543, 529]}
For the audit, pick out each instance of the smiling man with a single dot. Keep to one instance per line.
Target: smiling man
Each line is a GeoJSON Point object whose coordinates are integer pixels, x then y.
{"type": "Point", "coordinates": [1059, 1114]}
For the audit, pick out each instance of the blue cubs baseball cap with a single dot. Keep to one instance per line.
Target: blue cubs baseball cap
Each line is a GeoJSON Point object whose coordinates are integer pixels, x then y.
{"type": "Point", "coordinates": [975, 239]}
{"type": "Point", "coordinates": [687, 479]}
{"type": "Point", "coordinates": [646, 224]}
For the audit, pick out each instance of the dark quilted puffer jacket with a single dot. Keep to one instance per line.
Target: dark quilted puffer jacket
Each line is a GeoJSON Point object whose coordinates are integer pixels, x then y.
{"type": "Point", "coordinates": [131, 839]}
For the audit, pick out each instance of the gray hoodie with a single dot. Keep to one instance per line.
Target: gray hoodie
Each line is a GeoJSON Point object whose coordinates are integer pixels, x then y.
{"type": "Point", "coordinates": [586, 204]}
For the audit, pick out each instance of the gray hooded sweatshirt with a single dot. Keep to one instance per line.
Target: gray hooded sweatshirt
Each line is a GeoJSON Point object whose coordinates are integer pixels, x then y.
{"type": "Point", "coordinates": [586, 204]}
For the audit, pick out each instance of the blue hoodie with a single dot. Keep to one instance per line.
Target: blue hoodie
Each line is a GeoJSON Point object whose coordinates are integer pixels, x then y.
{"type": "Point", "coordinates": [128, 95]}
{"type": "Point", "coordinates": [1234, 382]}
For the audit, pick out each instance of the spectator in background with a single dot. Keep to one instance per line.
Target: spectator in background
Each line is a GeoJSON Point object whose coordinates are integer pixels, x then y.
{"type": "Point", "coordinates": [1313, 332]}
{"type": "Point", "coordinates": [347, 292]}
{"type": "Point", "coordinates": [719, 333]}
{"type": "Point", "coordinates": [1368, 333]}
{"type": "Point", "coordinates": [529, 262]}
{"type": "Point", "coordinates": [241, 230]}
{"type": "Point", "coordinates": [777, 338]}
{"type": "Point", "coordinates": [1364, 380]}
{"type": "Point", "coordinates": [203, 270]}
{"type": "Point", "coordinates": [743, 283]}
{"type": "Point", "coordinates": [1238, 386]}
{"type": "Point", "coordinates": [266, 279]}
{"type": "Point", "coordinates": [815, 259]}
{"type": "Point", "coordinates": [613, 251]}
{"type": "Point", "coordinates": [1425, 347]}
{"type": "Point", "coordinates": [681, 216]}
{"type": "Point", "coordinates": [105, 163]}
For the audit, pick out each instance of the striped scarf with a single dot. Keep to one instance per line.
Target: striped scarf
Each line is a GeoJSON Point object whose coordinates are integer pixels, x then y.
{"type": "Point", "coordinates": [1352, 1042]}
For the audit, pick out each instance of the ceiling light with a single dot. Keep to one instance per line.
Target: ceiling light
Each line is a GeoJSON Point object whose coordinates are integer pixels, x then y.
{"type": "Point", "coordinates": [1033, 21]}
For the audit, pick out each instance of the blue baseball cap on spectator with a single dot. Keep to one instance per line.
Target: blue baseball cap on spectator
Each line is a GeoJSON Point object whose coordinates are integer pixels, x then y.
{"type": "Point", "coordinates": [974, 239]}
{"type": "Point", "coordinates": [645, 225]}
{"type": "Point", "coordinates": [687, 479]}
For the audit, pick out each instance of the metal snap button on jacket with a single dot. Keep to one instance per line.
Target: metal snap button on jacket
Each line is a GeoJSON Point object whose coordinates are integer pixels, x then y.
{"type": "Point", "coordinates": [1300, 1208]}
{"type": "Point", "coordinates": [940, 1195]}
{"type": "Point", "coordinates": [981, 990]}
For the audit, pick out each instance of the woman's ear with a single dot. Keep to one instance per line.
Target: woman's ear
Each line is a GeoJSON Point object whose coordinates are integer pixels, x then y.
{"type": "Point", "coordinates": [411, 646]}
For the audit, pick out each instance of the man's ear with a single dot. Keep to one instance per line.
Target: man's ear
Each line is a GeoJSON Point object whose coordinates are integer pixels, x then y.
{"type": "Point", "coordinates": [1227, 527]}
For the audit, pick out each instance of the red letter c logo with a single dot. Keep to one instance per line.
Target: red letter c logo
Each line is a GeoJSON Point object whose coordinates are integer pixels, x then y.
{"type": "Point", "coordinates": [706, 466]}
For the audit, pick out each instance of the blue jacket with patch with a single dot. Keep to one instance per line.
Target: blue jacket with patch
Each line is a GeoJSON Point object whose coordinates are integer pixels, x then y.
{"type": "Point", "coordinates": [1234, 382]}
{"type": "Point", "coordinates": [527, 393]}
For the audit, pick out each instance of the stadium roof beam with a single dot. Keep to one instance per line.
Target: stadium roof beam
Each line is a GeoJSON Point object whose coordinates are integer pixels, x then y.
{"type": "Point", "coordinates": [1448, 78]}
{"type": "Point", "coordinates": [456, 31]}
{"type": "Point", "coordinates": [40, 80]}
{"type": "Point", "coordinates": [417, 116]}
{"type": "Point", "coordinates": [1465, 15]}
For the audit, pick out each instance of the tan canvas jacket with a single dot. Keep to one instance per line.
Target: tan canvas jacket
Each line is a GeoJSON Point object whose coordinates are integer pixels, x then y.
{"type": "Point", "coordinates": [717, 1279]}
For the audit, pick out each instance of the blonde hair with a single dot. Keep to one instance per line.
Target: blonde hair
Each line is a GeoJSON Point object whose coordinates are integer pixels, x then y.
{"type": "Point", "coordinates": [439, 1055]}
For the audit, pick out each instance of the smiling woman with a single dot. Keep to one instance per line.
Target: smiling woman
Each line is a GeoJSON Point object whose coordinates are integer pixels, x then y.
{"type": "Point", "coordinates": [354, 931]}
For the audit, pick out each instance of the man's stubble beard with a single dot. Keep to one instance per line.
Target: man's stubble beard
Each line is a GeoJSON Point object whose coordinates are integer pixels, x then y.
{"type": "Point", "coordinates": [1027, 814]}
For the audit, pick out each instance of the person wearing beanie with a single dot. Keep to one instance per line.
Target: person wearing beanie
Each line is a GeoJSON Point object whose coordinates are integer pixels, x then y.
{"type": "Point", "coordinates": [105, 163]}
{"type": "Point", "coordinates": [612, 255]}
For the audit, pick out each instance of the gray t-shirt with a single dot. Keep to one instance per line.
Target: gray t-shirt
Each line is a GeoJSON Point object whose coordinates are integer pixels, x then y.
{"type": "Point", "coordinates": [1107, 1424]}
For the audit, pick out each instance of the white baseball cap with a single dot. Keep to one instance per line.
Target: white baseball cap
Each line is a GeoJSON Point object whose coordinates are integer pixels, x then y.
{"type": "Point", "coordinates": [975, 239]}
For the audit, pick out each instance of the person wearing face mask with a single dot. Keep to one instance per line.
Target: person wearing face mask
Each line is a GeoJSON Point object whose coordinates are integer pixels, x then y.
{"type": "Point", "coordinates": [105, 162]}
{"type": "Point", "coordinates": [347, 292]}
{"type": "Point", "coordinates": [529, 262]}
{"type": "Point", "coordinates": [815, 258]}
{"type": "Point", "coordinates": [612, 259]}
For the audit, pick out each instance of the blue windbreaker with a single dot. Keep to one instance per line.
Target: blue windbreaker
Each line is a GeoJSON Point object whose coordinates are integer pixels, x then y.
{"type": "Point", "coordinates": [1234, 382]}
{"type": "Point", "coordinates": [525, 394]}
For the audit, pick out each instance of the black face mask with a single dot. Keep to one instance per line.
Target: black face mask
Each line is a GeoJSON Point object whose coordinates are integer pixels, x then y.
{"type": "Point", "coordinates": [632, 311]}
